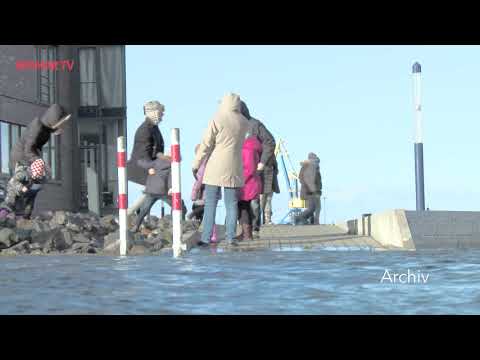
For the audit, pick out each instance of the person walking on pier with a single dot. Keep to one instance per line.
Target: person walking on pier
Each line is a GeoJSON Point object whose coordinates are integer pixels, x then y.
{"type": "Point", "coordinates": [251, 152]}
{"type": "Point", "coordinates": [268, 169]}
{"type": "Point", "coordinates": [148, 142]}
{"type": "Point", "coordinates": [311, 190]}
{"type": "Point", "coordinates": [222, 143]}
{"type": "Point", "coordinates": [158, 186]}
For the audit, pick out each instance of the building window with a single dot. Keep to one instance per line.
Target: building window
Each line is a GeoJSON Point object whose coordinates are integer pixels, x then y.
{"type": "Point", "coordinates": [4, 148]}
{"type": "Point", "coordinates": [47, 77]}
{"type": "Point", "coordinates": [88, 77]}
{"type": "Point", "coordinates": [10, 134]}
{"type": "Point", "coordinates": [49, 155]}
{"type": "Point", "coordinates": [111, 76]}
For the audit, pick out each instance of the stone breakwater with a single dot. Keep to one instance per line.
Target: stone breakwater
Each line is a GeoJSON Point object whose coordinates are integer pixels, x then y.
{"type": "Point", "coordinates": [61, 232]}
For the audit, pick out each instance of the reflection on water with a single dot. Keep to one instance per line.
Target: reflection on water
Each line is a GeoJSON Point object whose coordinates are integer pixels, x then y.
{"type": "Point", "coordinates": [213, 281]}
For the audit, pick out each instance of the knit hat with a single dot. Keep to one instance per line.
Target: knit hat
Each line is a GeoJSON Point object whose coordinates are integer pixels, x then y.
{"type": "Point", "coordinates": [38, 168]}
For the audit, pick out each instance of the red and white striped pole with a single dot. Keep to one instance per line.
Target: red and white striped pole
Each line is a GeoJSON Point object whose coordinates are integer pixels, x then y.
{"type": "Point", "coordinates": [122, 194]}
{"type": "Point", "coordinates": [178, 247]}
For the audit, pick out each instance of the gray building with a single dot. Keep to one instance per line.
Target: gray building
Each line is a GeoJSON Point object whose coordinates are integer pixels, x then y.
{"type": "Point", "coordinates": [92, 88]}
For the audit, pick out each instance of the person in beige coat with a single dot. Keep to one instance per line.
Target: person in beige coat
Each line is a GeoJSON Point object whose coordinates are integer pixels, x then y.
{"type": "Point", "coordinates": [222, 143]}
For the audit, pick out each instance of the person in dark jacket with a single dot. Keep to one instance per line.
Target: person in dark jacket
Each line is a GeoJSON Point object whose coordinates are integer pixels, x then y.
{"type": "Point", "coordinates": [311, 190]}
{"type": "Point", "coordinates": [268, 169]}
{"type": "Point", "coordinates": [147, 143]}
{"type": "Point", "coordinates": [157, 186]}
{"type": "Point", "coordinates": [28, 149]}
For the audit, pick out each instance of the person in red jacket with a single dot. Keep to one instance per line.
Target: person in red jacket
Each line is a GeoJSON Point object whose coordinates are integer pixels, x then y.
{"type": "Point", "coordinates": [251, 152]}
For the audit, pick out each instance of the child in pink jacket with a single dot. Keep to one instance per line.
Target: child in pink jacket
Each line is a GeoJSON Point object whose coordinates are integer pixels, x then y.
{"type": "Point", "coordinates": [251, 152]}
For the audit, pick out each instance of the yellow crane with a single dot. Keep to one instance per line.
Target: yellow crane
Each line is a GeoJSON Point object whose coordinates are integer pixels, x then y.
{"type": "Point", "coordinates": [295, 204]}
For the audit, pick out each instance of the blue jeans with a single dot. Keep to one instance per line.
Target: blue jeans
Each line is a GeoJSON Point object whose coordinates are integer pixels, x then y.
{"type": "Point", "coordinates": [231, 207]}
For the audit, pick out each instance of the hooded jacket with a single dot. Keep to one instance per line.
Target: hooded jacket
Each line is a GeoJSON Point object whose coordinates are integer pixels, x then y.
{"type": "Point", "coordinates": [147, 143]}
{"type": "Point", "coordinates": [37, 134]}
{"type": "Point", "coordinates": [269, 174]}
{"type": "Point", "coordinates": [251, 153]}
{"type": "Point", "coordinates": [310, 177]}
{"type": "Point", "coordinates": [222, 143]}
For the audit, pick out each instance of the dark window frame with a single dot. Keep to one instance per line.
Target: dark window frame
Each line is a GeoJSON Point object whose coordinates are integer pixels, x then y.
{"type": "Point", "coordinates": [50, 81]}
{"type": "Point", "coordinates": [88, 110]}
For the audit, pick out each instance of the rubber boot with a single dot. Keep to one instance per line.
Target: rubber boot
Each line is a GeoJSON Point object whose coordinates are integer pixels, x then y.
{"type": "Point", "coordinates": [247, 232]}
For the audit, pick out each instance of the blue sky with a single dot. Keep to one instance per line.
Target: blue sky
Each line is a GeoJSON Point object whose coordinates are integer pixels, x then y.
{"type": "Point", "coordinates": [351, 105]}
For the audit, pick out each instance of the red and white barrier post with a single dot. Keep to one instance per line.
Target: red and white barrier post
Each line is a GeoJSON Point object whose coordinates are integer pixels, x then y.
{"type": "Point", "coordinates": [178, 247]}
{"type": "Point", "coordinates": [122, 194]}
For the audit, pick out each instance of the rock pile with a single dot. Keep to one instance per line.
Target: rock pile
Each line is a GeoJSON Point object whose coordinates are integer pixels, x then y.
{"type": "Point", "coordinates": [63, 232]}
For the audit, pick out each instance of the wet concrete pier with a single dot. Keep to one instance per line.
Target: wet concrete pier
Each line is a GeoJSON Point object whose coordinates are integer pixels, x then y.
{"type": "Point", "coordinates": [303, 236]}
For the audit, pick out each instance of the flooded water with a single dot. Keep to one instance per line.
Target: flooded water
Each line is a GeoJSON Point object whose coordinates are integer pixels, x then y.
{"type": "Point", "coordinates": [260, 282]}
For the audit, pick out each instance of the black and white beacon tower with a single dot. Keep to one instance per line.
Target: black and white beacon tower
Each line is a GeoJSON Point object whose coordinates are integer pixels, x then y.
{"type": "Point", "coordinates": [419, 181]}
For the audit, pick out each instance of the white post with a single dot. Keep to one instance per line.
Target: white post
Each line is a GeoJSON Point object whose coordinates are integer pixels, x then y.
{"type": "Point", "coordinates": [178, 247]}
{"type": "Point", "coordinates": [122, 195]}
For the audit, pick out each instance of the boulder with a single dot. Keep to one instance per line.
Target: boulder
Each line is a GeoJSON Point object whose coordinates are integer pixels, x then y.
{"type": "Point", "coordinates": [8, 222]}
{"type": "Point", "coordinates": [87, 226]}
{"type": "Point", "coordinates": [60, 218]}
{"type": "Point", "coordinates": [39, 226]}
{"type": "Point", "coordinates": [8, 238]}
{"type": "Point", "coordinates": [138, 250]}
{"type": "Point", "coordinates": [8, 252]}
{"type": "Point", "coordinates": [21, 248]}
{"type": "Point", "coordinates": [42, 237]}
{"type": "Point", "coordinates": [58, 242]}
{"type": "Point", "coordinates": [68, 237]}
{"type": "Point", "coordinates": [74, 223]}
{"type": "Point", "coordinates": [80, 238]}
{"type": "Point", "coordinates": [96, 243]}
{"type": "Point", "coordinates": [91, 250]}
{"type": "Point", "coordinates": [110, 238]}
{"type": "Point", "coordinates": [107, 220]}
{"type": "Point", "coordinates": [50, 240]}
{"type": "Point", "coordinates": [35, 247]}
{"type": "Point", "coordinates": [80, 247]}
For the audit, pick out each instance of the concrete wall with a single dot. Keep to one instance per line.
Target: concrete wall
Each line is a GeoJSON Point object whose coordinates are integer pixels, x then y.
{"type": "Point", "coordinates": [389, 228]}
{"type": "Point", "coordinates": [444, 229]}
{"type": "Point", "coordinates": [411, 230]}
